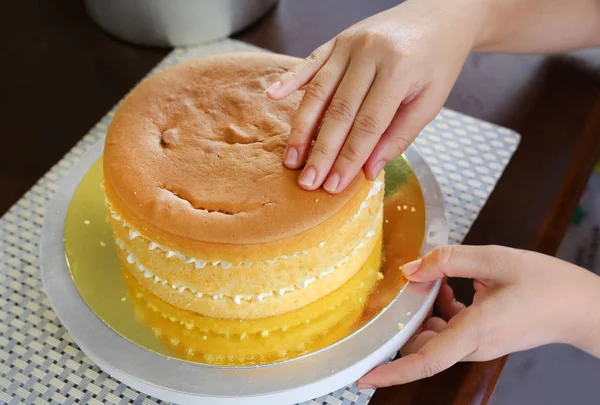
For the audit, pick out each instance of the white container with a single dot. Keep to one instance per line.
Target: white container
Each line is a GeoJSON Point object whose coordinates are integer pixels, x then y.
{"type": "Point", "coordinates": [169, 23]}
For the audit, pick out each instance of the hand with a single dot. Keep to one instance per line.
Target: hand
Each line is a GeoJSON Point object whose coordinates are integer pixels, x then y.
{"type": "Point", "coordinates": [373, 88]}
{"type": "Point", "coordinates": [522, 300]}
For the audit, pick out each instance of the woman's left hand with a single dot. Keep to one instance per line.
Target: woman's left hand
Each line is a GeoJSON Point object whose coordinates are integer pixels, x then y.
{"type": "Point", "coordinates": [522, 300]}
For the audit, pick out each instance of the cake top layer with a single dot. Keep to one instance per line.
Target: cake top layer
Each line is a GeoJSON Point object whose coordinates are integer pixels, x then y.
{"type": "Point", "coordinates": [196, 151]}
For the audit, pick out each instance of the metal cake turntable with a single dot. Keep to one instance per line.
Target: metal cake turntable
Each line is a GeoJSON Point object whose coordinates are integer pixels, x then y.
{"type": "Point", "coordinates": [161, 373]}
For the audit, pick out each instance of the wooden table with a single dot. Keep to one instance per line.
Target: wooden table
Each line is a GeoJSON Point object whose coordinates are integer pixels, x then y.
{"type": "Point", "coordinates": [60, 74]}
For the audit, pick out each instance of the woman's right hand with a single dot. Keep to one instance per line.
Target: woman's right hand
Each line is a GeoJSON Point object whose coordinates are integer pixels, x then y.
{"type": "Point", "coordinates": [373, 88]}
{"type": "Point", "coordinates": [522, 300]}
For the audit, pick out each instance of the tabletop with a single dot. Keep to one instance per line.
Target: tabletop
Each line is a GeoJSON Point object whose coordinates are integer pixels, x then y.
{"type": "Point", "coordinates": [62, 73]}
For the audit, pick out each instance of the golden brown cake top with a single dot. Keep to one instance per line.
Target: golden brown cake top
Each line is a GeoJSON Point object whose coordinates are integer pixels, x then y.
{"type": "Point", "coordinates": [196, 151]}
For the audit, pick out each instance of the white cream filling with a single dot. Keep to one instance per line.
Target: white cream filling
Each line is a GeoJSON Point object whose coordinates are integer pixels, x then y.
{"type": "Point", "coordinates": [199, 263]}
{"type": "Point", "coordinates": [238, 298]}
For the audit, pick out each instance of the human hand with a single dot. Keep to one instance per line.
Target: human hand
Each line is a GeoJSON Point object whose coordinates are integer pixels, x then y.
{"type": "Point", "coordinates": [373, 88]}
{"type": "Point", "coordinates": [522, 300]}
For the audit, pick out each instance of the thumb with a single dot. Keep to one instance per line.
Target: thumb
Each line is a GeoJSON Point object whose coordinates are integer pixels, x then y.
{"type": "Point", "coordinates": [493, 263]}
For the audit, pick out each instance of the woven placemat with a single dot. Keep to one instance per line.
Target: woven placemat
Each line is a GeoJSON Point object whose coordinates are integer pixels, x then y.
{"type": "Point", "coordinates": [40, 363]}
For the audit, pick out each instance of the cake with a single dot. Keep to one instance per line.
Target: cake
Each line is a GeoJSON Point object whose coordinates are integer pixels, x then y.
{"type": "Point", "coordinates": [258, 341]}
{"type": "Point", "coordinates": [205, 216]}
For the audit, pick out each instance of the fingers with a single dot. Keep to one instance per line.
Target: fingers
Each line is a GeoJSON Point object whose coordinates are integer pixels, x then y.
{"type": "Point", "coordinates": [446, 303]}
{"type": "Point", "coordinates": [448, 307]}
{"type": "Point", "coordinates": [338, 121]}
{"type": "Point", "coordinates": [411, 117]}
{"type": "Point", "coordinates": [371, 120]}
{"type": "Point", "coordinates": [302, 73]}
{"type": "Point", "coordinates": [417, 342]}
{"type": "Point", "coordinates": [435, 324]}
{"type": "Point", "coordinates": [493, 263]}
{"type": "Point", "coordinates": [440, 352]}
{"type": "Point", "coordinates": [317, 96]}
{"type": "Point", "coordinates": [430, 329]}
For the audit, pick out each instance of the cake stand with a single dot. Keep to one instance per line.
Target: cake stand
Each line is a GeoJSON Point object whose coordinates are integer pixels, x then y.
{"type": "Point", "coordinates": [286, 382]}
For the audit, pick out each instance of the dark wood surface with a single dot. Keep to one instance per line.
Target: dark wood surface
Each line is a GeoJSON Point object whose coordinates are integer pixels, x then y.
{"type": "Point", "coordinates": [60, 74]}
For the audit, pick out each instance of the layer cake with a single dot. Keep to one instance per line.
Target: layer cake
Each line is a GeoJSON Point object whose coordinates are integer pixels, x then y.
{"type": "Point", "coordinates": [206, 217]}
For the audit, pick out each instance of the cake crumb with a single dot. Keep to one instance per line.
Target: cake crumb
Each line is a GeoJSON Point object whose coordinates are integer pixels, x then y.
{"type": "Point", "coordinates": [379, 275]}
{"type": "Point", "coordinates": [204, 337]}
{"type": "Point", "coordinates": [413, 209]}
{"type": "Point", "coordinates": [400, 325]}
{"type": "Point", "coordinates": [264, 333]}
{"type": "Point", "coordinates": [408, 313]}
{"type": "Point", "coordinates": [123, 299]}
{"type": "Point", "coordinates": [87, 222]}
{"type": "Point", "coordinates": [317, 200]}
{"type": "Point", "coordinates": [399, 208]}
{"type": "Point", "coordinates": [405, 207]}
{"type": "Point", "coordinates": [189, 351]}
{"type": "Point", "coordinates": [387, 220]}
{"type": "Point", "coordinates": [102, 243]}
{"type": "Point", "coordinates": [139, 295]}
{"type": "Point", "coordinates": [243, 336]}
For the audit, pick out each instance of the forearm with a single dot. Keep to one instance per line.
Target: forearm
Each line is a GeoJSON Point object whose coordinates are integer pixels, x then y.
{"type": "Point", "coordinates": [536, 26]}
{"type": "Point", "coordinates": [583, 329]}
{"type": "Point", "coordinates": [590, 342]}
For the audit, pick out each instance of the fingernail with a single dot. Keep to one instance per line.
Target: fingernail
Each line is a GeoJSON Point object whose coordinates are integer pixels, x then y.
{"type": "Point", "coordinates": [291, 157]}
{"type": "Point", "coordinates": [364, 386]}
{"type": "Point", "coordinates": [377, 168]}
{"type": "Point", "coordinates": [332, 183]}
{"type": "Point", "coordinates": [308, 176]}
{"type": "Point", "coordinates": [273, 87]}
{"type": "Point", "coordinates": [412, 267]}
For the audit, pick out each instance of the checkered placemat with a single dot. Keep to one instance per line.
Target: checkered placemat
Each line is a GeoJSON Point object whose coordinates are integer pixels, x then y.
{"type": "Point", "coordinates": [40, 363]}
